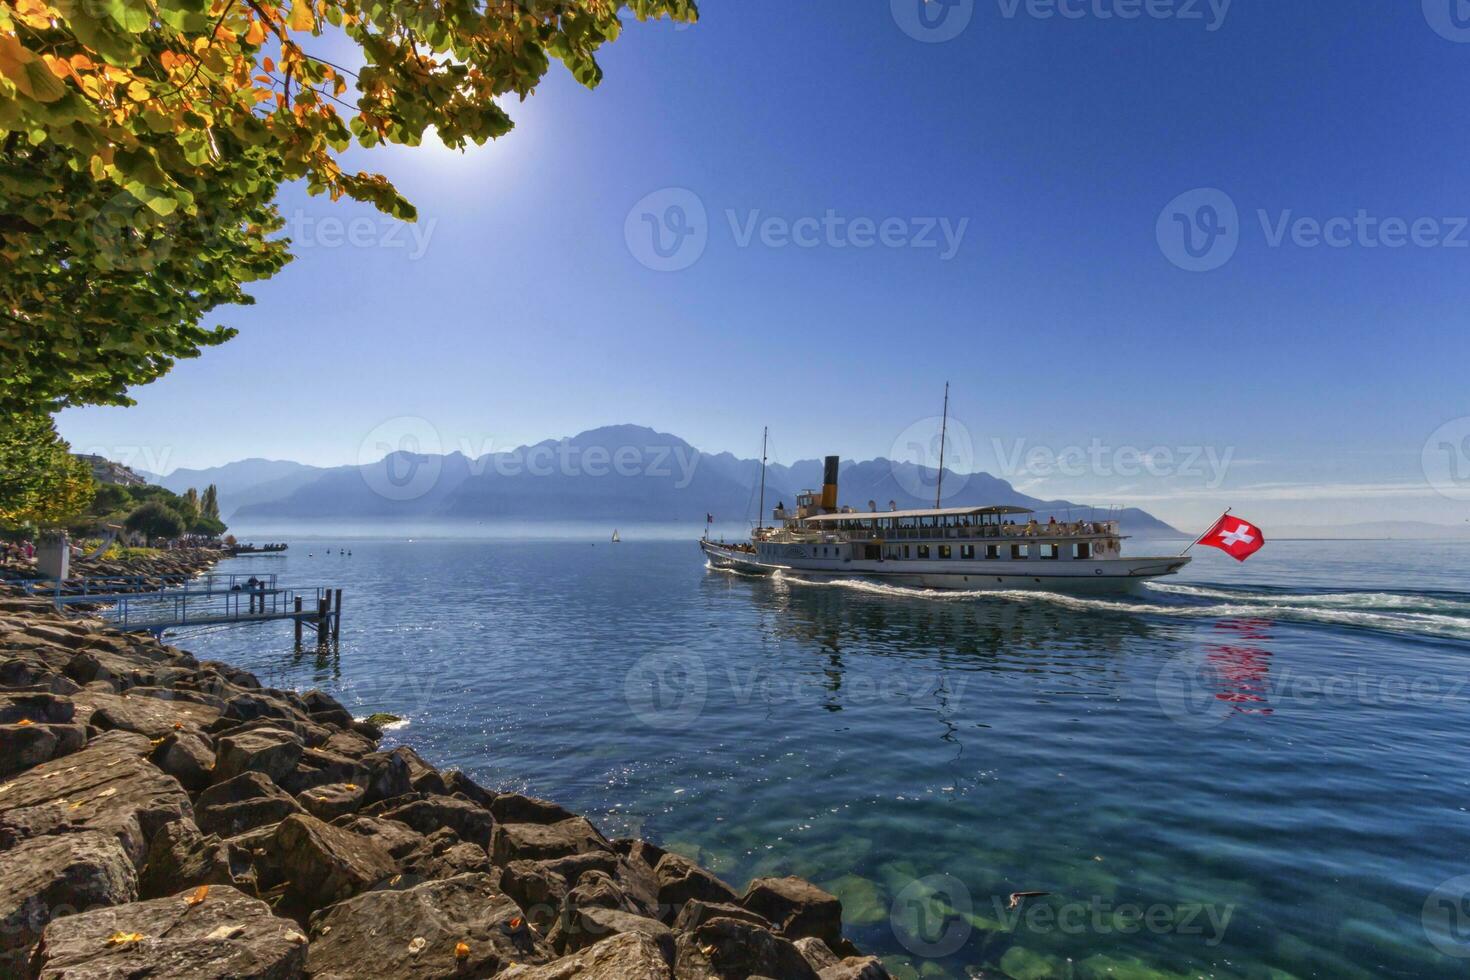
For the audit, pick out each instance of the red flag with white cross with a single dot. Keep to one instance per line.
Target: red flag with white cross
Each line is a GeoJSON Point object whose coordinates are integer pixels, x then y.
{"type": "Point", "coordinates": [1235, 536]}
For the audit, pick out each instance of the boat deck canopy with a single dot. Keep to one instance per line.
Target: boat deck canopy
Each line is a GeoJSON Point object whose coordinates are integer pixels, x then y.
{"type": "Point", "coordinates": [907, 514]}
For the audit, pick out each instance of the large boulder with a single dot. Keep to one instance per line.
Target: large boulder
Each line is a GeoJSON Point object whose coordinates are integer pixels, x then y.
{"type": "Point", "coordinates": [183, 857]}
{"type": "Point", "coordinates": [248, 801]}
{"type": "Point", "coordinates": [186, 756]}
{"type": "Point", "coordinates": [458, 927]}
{"type": "Point", "coordinates": [36, 707]}
{"type": "Point", "coordinates": [266, 750]}
{"type": "Point", "coordinates": [26, 744]}
{"type": "Point", "coordinates": [332, 800]}
{"type": "Point", "coordinates": [145, 710]}
{"type": "Point", "coordinates": [221, 935]}
{"type": "Point", "coordinates": [321, 767]}
{"type": "Point", "coordinates": [680, 879]}
{"type": "Point", "coordinates": [856, 968]}
{"type": "Point", "coordinates": [696, 913]}
{"type": "Point", "coordinates": [325, 864]}
{"type": "Point", "coordinates": [797, 908]}
{"type": "Point", "coordinates": [47, 877]}
{"type": "Point", "coordinates": [579, 927]}
{"type": "Point", "coordinates": [733, 950]}
{"type": "Point", "coordinates": [388, 775]}
{"type": "Point", "coordinates": [399, 840]}
{"type": "Point", "coordinates": [436, 812]}
{"type": "Point", "coordinates": [538, 842]}
{"type": "Point", "coordinates": [108, 786]}
{"type": "Point", "coordinates": [627, 956]}
{"type": "Point", "coordinates": [516, 808]}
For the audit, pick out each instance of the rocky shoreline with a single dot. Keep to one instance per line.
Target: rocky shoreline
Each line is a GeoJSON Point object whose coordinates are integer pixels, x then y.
{"type": "Point", "coordinates": [166, 816]}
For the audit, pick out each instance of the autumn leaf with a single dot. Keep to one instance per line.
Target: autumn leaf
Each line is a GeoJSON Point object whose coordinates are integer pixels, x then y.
{"type": "Point", "coordinates": [302, 18]}
{"type": "Point", "coordinates": [461, 951]}
{"type": "Point", "coordinates": [125, 938]}
{"type": "Point", "coordinates": [199, 895]}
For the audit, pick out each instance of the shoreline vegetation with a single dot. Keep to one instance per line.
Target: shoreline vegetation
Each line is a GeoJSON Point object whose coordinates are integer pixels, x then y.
{"type": "Point", "coordinates": [168, 815]}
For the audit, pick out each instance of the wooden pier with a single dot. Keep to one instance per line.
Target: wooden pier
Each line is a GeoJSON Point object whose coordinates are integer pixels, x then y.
{"type": "Point", "coordinates": [140, 605]}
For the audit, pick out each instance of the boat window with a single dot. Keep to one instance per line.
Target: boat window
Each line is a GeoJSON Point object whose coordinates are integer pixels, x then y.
{"type": "Point", "coordinates": [923, 551]}
{"type": "Point", "coordinates": [992, 551]}
{"type": "Point", "coordinates": [1049, 551]}
{"type": "Point", "coordinates": [906, 551]}
{"type": "Point", "coordinates": [1082, 549]}
{"type": "Point", "coordinates": [1019, 550]}
{"type": "Point", "coordinates": [967, 551]}
{"type": "Point", "coordinates": [944, 551]}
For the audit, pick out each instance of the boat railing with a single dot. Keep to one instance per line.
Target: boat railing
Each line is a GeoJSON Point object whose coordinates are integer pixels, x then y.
{"type": "Point", "coordinates": [1073, 529]}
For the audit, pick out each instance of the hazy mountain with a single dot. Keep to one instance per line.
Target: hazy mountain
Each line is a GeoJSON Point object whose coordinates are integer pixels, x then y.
{"type": "Point", "coordinates": [619, 473]}
{"type": "Point", "coordinates": [242, 482]}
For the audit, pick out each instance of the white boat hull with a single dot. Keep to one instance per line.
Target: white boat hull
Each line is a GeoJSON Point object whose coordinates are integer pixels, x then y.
{"type": "Point", "coordinates": [996, 574]}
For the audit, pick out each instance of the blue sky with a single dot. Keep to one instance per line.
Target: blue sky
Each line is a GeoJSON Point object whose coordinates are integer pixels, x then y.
{"type": "Point", "coordinates": [1055, 163]}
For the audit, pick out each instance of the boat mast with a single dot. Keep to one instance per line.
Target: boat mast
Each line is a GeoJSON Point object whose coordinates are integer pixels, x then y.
{"type": "Point", "coordinates": [760, 514]}
{"type": "Point", "coordinates": [943, 431]}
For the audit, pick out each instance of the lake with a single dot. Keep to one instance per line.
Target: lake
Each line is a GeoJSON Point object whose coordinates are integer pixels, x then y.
{"type": "Point", "coordinates": [1251, 770]}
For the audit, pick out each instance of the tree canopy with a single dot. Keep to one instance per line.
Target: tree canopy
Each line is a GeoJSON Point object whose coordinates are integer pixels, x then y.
{"type": "Point", "coordinates": [142, 143]}
{"type": "Point", "coordinates": [41, 483]}
{"type": "Point", "coordinates": [155, 519]}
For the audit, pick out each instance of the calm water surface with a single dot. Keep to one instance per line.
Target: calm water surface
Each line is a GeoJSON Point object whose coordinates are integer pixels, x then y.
{"type": "Point", "coordinates": [1251, 771]}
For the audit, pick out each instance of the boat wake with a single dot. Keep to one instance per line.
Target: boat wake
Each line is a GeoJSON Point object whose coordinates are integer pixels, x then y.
{"type": "Point", "coordinates": [1432, 614]}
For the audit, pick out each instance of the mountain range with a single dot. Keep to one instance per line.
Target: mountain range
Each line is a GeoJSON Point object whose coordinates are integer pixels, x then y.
{"type": "Point", "coordinates": [625, 473]}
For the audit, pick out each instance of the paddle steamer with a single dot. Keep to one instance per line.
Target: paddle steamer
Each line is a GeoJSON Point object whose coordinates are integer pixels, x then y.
{"type": "Point", "coordinates": [993, 547]}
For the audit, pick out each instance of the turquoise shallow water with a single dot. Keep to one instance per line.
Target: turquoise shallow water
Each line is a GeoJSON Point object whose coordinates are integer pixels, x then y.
{"type": "Point", "coordinates": [1254, 770]}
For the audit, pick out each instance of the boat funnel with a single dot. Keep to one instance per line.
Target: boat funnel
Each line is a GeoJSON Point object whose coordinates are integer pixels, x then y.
{"type": "Point", "coordinates": [829, 483]}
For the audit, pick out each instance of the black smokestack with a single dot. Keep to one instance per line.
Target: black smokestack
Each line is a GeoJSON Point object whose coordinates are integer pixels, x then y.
{"type": "Point", "coordinates": [829, 483]}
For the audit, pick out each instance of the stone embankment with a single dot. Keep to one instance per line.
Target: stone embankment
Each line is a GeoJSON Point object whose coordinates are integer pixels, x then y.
{"type": "Point", "coordinates": [166, 816]}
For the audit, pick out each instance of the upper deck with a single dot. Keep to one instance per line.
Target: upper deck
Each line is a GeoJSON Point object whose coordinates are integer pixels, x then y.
{"type": "Point", "coordinates": [938, 524]}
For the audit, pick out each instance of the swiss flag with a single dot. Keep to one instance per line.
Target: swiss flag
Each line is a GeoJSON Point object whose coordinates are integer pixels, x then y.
{"type": "Point", "coordinates": [1236, 537]}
